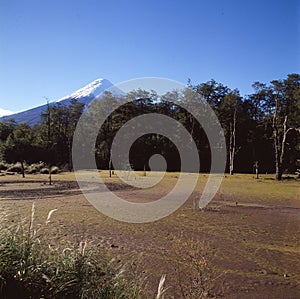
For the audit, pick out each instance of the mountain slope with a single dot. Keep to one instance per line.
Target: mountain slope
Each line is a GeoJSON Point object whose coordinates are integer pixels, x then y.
{"type": "Point", "coordinates": [84, 95]}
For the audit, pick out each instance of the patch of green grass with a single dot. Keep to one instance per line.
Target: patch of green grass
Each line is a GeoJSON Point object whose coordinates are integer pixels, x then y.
{"type": "Point", "coordinates": [245, 186]}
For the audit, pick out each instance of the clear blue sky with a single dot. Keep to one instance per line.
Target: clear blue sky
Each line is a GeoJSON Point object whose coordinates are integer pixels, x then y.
{"type": "Point", "coordinates": [52, 48]}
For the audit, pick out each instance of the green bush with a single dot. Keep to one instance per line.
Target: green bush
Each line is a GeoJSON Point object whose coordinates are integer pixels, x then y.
{"type": "Point", "coordinates": [31, 170]}
{"type": "Point", "coordinates": [44, 170]}
{"type": "Point", "coordinates": [3, 166]}
{"type": "Point", "coordinates": [15, 168]}
{"type": "Point", "coordinates": [30, 268]}
{"type": "Point", "coordinates": [54, 169]}
{"type": "Point", "coordinates": [35, 167]}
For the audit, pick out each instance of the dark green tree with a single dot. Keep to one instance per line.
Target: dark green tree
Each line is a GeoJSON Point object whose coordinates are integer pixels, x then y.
{"type": "Point", "coordinates": [19, 146]}
{"type": "Point", "coordinates": [6, 128]}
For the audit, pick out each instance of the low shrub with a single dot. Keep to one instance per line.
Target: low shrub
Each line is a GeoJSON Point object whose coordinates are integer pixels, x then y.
{"type": "Point", "coordinates": [3, 165]}
{"type": "Point", "coordinates": [31, 169]}
{"type": "Point", "coordinates": [54, 169]}
{"type": "Point", "coordinates": [35, 167]}
{"type": "Point", "coordinates": [15, 168]}
{"type": "Point", "coordinates": [44, 171]}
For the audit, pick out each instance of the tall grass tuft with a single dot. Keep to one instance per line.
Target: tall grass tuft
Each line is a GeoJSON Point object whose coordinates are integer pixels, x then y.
{"type": "Point", "coordinates": [161, 290]}
{"type": "Point", "coordinates": [31, 268]}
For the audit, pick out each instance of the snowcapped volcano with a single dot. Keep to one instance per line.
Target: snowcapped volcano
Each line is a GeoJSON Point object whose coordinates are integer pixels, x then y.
{"type": "Point", "coordinates": [92, 89]}
{"type": "Point", "coordinates": [83, 95]}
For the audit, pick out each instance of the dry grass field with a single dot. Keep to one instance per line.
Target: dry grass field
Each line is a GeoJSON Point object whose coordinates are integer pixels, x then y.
{"type": "Point", "coordinates": [244, 244]}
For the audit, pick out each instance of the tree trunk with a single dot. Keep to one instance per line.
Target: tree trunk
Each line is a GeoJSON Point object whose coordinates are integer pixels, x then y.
{"type": "Point", "coordinates": [70, 166]}
{"type": "Point", "coordinates": [279, 142]}
{"type": "Point", "coordinates": [109, 168]}
{"type": "Point", "coordinates": [278, 166]}
{"type": "Point", "coordinates": [278, 176]}
{"type": "Point", "coordinates": [277, 145]}
{"type": "Point", "coordinates": [256, 167]}
{"type": "Point", "coordinates": [22, 169]}
{"type": "Point", "coordinates": [280, 146]}
{"type": "Point", "coordinates": [232, 142]}
{"type": "Point", "coordinates": [230, 152]}
{"type": "Point", "coordinates": [285, 132]}
{"type": "Point", "coordinates": [109, 165]}
{"type": "Point", "coordinates": [50, 177]}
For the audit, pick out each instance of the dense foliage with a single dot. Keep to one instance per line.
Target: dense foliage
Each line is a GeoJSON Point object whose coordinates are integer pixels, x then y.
{"type": "Point", "coordinates": [261, 128]}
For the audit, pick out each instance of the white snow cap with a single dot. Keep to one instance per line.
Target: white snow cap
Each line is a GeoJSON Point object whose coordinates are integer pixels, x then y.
{"type": "Point", "coordinates": [92, 89]}
{"type": "Point", "coordinates": [4, 112]}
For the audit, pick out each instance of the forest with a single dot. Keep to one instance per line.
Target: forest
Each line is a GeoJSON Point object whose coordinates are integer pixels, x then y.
{"type": "Point", "coordinates": [262, 130]}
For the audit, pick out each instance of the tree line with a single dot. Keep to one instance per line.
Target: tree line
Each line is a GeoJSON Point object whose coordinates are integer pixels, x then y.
{"type": "Point", "coordinates": [262, 130]}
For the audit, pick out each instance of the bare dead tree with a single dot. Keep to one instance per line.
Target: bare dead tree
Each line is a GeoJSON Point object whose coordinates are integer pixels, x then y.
{"type": "Point", "coordinates": [256, 168]}
{"type": "Point", "coordinates": [48, 122]}
{"type": "Point", "coordinates": [232, 140]}
{"type": "Point", "coordinates": [279, 138]}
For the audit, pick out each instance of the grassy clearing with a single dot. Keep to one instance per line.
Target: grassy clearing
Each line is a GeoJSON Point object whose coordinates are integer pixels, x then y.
{"type": "Point", "coordinates": [252, 246]}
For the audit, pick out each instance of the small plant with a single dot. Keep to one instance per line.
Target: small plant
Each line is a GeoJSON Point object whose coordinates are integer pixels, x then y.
{"type": "Point", "coordinates": [15, 168]}
{"type": "Point", "coordinates": [44, 170]}
{"type": "Point", "coordinates": [35, 167]}
{"type": "Point", "coordinates": [196, 277]}
{"type": "Point", "coordinates": [161, 290]}
{"type": "Point", "coordinates": [3, 166]}
{"type": "Point", "coordinates": [54, 169]}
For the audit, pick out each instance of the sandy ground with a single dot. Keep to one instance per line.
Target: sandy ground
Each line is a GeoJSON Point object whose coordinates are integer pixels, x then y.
{"type": "Point", "coordinates": [250, 231]}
